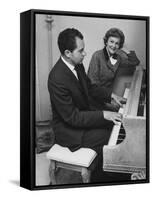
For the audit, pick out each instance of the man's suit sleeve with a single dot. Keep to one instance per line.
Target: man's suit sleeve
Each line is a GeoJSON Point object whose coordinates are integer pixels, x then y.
{"type": "Point", "coordinates": [70, 114]}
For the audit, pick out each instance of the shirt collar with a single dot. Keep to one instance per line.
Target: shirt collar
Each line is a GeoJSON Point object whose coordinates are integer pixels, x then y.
{"type": "Point", "coordinates": [106, 54]}
{"type": "Point", "coordinates": [71, 67]}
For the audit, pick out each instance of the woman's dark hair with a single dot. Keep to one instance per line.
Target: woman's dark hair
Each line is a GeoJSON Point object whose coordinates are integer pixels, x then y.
{"type": "Point", "coordinates": [115, 32]}
{"type": "Point", "coordinates": [67, 39]}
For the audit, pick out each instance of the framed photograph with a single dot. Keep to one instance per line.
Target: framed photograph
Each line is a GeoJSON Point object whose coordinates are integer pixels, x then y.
{"type": "Point", "coordinates": [84, 99]}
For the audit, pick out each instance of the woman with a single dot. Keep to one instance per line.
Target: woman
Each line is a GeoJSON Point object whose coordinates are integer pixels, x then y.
{"type": "Point", "coordinates": [105, 62]}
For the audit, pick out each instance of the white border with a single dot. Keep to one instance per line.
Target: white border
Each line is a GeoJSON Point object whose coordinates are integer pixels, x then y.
{"type": "Point", "coordinates": [9, 100]}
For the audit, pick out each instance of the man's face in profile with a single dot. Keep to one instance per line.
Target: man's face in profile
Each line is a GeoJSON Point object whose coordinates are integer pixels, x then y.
{"type": "Point", "coordinates": [78, 54]}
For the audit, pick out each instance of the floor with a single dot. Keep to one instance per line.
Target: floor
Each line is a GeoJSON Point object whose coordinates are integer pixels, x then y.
{"type": "Point", "coordinates": [64, 176]}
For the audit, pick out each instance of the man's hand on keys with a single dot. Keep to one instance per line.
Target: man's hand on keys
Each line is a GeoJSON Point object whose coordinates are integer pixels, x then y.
{"type": "Point", "coordinates": [113, 116]}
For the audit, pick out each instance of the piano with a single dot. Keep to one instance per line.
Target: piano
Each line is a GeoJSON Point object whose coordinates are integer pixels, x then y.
{"type": "Point", "coordinates": [126, 149]}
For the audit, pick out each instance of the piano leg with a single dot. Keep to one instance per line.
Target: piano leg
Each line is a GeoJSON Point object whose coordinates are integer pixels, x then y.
{"type": "Point", "coordinates": [139, 175]}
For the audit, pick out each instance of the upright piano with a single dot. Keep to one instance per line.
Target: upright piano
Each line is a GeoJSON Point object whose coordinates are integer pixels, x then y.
{"type": "Point", "coordinates": [126, 149]}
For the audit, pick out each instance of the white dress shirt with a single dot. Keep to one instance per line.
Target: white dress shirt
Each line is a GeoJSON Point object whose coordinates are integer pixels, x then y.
{"type": "Point", "coordinates": [71, 67]}
{"type": "Point", "coordinates": [112, 60]}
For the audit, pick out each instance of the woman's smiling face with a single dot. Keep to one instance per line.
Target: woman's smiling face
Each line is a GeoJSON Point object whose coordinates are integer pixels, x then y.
{"type": "Point", "coordinates": [113, 44]}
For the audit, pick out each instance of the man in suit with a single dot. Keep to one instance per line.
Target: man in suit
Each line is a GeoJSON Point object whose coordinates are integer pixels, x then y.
{"type": "Point", "coordinates": [78, 116]}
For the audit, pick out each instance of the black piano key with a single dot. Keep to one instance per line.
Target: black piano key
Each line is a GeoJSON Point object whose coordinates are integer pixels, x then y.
{"type": "Point", "coordinates": [121, 137]}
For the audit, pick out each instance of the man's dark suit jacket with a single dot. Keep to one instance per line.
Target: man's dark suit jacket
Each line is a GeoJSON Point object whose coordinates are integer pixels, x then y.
{"type": "Point", "coordinates": [73, 110]}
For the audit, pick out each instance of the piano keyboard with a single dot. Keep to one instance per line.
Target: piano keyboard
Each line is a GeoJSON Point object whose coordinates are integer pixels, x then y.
{"type": "Point", "coordinates": [126, 153]}
{"type": "Point", "coordinates": [116, 128]}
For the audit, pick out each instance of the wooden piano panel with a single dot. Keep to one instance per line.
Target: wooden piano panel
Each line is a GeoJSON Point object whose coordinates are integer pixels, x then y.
{"type": "Point", "coordinates": [128, 156]}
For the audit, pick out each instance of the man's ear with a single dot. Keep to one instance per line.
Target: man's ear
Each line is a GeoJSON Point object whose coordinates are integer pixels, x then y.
{"type": "Point", "coordinates": [67, 53]}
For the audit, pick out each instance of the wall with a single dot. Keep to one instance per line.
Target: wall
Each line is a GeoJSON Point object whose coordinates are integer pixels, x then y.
{"type": "Point", "coordinates": [93, 30]}
{"type": "Point", "coordinates": [43, 108]}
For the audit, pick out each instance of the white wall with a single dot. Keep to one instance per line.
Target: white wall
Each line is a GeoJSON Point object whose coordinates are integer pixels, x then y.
{"type": "Point", "coordinates": [94, 30]}
{"type": "Point", "coordinates": [43, 108]}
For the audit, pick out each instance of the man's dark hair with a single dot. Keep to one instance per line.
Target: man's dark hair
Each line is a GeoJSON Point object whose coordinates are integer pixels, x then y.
{"type": "Point", "coordinates": [67, 39]}
{"type": "Point", "coordinates": [115, 32]}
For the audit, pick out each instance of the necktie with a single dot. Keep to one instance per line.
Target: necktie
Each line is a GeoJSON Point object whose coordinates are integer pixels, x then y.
{"type": "Point", "coordinates": [82, 80]}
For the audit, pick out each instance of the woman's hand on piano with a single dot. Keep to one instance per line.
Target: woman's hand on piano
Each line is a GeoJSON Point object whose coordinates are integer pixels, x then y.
{"type": "Point", "coordinates": [119, 100]}
{"type": "Point", "coordinates": [112, 116]}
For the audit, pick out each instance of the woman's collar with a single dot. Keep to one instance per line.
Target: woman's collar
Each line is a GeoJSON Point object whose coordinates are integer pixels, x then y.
{"type": "Point", "coordinates": [107, 55]}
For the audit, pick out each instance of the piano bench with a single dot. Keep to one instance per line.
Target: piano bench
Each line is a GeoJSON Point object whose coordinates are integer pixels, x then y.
{"type": "Point", "coordinates": [62, 157]}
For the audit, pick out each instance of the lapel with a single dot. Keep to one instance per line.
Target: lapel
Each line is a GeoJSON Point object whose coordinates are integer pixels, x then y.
{"type": "Point", "coordinates": [71, 77]}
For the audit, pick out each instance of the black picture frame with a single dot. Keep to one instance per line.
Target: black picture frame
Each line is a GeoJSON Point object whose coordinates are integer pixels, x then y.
{"type": "Point", "coordinates": [28, 96]}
